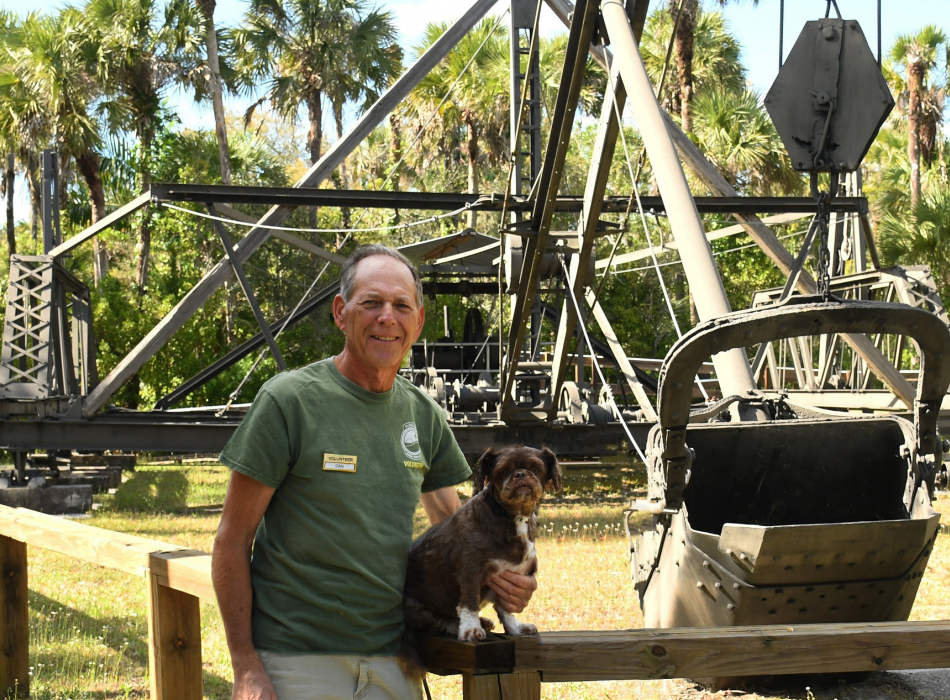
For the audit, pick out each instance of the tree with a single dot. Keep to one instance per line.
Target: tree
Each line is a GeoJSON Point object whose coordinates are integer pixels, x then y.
{"type": "Point", "coordinates": [50, 62]}
{"type": "Point", "coordinates": [475, 79]}
{"type": "Point", "coordinates": [137, 53]}
{"type": "Point", "coordinates": [737, 134]}
{"type": "Point", "coordinates": [922, 238]}
{"type": "Point", "coordinates": [917, 54]}
{"type": "Point", "coordinates": [707, 56]}
{"type": "Point", "coordinates": [302, 49]}
{"type": "Point", "coordinates": [206, 8]}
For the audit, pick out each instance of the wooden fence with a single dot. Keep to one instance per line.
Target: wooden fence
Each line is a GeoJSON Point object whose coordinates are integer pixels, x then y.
{"type": "Point", "coordinates": [503, 668]}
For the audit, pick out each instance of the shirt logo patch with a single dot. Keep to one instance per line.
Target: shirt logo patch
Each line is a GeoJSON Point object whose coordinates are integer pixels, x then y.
{"type": "Point", "coordinates": [410, 441]}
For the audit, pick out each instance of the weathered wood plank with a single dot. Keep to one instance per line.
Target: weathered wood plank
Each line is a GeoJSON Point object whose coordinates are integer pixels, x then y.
{"type": "Point", "coordinates": [174, 643]}
{"type": "Point", "coordinates": [510, 686]}
{"type": "Point", "coordinates": [187, 570]}
{"type": "Point", "coordinates": [734, 651]}
{"type": "Point", "coordinates": [14, 620]}
{"type": "Point", "coordinates": [115, 550]}
{"type": "Point", "coordinates": [445, 655]}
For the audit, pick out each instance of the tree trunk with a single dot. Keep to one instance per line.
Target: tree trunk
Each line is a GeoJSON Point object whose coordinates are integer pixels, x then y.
{"type": "Point", "coordinates": [344, 176]}
{"type": "Point", "coordinates": [315, 137]}
{"type": "Point", "coordinates": [217, 101]}
{"type": "Point", "coordinates": [145, 238]}
{"type": "Point", "coordinates": [915, 81]}
{"type": "Point", "coordinates": [472, 150]}
{"type": "Point", "coordinates": [36, 193]}
{"type": "Point", "coordinates": [684, 61]}
{"type": "Point", "coordinates": [10, 176]}
{"type": "Point", "coordinates": [89, 168]}
{"type": "Point", "coordinates": [395, 155]}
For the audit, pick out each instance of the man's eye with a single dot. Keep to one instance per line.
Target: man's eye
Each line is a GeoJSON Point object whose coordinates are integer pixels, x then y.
{"type": "Point", "coordinates": [371, 303]}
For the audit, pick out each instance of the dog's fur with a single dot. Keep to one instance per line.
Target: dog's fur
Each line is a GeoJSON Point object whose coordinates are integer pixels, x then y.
{"type": "Point", "coordinates": [450, 565]}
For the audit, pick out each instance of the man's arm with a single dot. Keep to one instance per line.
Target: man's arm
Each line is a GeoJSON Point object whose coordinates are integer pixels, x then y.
{"type": "Point", "coordinates": [441, 503]}
{"type": "Point", "coordinates": [514, 590]}
{"type": "Point", "coordinates": [244, 506]}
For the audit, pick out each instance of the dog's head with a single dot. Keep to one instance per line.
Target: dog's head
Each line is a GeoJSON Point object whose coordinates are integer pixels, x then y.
{"type": "Point", "coordinates": [518, 476]}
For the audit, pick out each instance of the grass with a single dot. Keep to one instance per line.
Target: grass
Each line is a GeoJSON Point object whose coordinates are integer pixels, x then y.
{"type": "Point", "coordinates": [88, 624]}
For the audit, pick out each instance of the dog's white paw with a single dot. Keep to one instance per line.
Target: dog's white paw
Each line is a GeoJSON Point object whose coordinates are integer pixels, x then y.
{"type": "Point", "coordinates": [472, 634]}
{"type": "Point", "coordinates": [487, 624]}
{"type": "Point", "coordinates": [470, 626]}
{"type": "Point", "coordinates": [514, 627]}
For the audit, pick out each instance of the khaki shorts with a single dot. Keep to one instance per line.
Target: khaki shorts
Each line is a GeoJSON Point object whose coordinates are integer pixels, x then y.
{"type": "Point", "coordinates": [322, 677]}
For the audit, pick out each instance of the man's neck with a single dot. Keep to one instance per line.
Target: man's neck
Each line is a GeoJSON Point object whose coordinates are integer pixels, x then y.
{"type": "Point", "coordinates": [377, 382]}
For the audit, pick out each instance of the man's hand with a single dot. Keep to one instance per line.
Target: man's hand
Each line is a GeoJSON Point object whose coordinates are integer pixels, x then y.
{"type": "Point", "coordinates": [513, 590]}
{"type": "Point", "coordinates": [253, 684]}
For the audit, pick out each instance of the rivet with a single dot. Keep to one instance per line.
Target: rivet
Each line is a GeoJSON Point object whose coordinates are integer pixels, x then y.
{"type": "Point", "coordinates": [674, 415]}
{"type": "Point", "coordinates": [718, 586]}
{"type": "Point", "coordinates": [783, 328]}
{"type": "Point", "coordinates": [730, 607]}
{"type": "Point", "coordinates": [705, 564]}
{"type": "Point", "coordinates": [677, 385]}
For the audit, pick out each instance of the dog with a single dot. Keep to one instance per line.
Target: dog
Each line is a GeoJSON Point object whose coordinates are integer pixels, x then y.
{"type": "Point", "coordinates": [450, 565]}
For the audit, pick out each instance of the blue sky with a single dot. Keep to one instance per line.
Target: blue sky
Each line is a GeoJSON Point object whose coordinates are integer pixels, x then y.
{"type": "Point", "coordinates": [755, 26]}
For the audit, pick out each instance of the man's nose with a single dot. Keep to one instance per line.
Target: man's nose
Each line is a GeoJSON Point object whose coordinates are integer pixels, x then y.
{"type": "Point", "coordinates": [386, 314]}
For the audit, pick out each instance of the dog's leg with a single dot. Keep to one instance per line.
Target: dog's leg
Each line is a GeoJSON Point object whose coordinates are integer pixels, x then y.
{"type": "Point", "coordinates": [470, 624]}
{"type": "Point", "coordinates": [512, 625]}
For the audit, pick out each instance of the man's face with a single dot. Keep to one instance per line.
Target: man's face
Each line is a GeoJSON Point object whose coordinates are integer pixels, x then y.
{"type": "Point", "coordinates": [382, 319]}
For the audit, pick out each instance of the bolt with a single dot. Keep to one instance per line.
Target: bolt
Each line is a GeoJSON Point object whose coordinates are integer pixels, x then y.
{"type": "Point", "coordinates": [829, 33]}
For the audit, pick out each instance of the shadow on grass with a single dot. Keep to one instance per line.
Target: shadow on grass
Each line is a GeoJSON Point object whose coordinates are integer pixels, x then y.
{"type": "Point", "coordinates": [54, 627]}
{"type": "Point", "coordinates": [153, 492]}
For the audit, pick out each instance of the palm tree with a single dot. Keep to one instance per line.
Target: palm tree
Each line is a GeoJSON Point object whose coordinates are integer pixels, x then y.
{"type": "Point", "coordinates": [206, 8]}
{"type": "Point", "coordinates": [917, 54]}
{"type": "Point", "coordinates": [8, 29]}
{"type": "Point", "coordinates": [49, 61]}
{"type": "Point", "coordinates": [707, 55]}
{"type": "Point", "coordinates": [475, 78]}
{"type": "Point", "coordinates": [138, 52]}
{"type": "Point", "coordinates": [736, 133]}
{"type": "Point", "coordinates": [304, 49]}
{"type": "Point", "coordinates": [922, 238]}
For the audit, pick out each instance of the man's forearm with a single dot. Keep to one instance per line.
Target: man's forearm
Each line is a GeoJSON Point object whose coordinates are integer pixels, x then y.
{"type": "Point", "coordinates": [231, 575]}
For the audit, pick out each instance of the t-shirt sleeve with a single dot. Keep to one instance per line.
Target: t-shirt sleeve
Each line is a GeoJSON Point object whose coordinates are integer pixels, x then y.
{"type": "Point", "coordinates": [260, 447]}
{"type": "Point", "coordinates": [447, 464]}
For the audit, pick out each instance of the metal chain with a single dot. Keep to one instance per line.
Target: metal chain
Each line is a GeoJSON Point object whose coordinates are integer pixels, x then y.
{"type": "Point", "coordinates": [824, 255]}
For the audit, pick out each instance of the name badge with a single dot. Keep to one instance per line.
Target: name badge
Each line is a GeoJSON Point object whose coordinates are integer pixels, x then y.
{"type": "Point", "coordinates": [339, 463]}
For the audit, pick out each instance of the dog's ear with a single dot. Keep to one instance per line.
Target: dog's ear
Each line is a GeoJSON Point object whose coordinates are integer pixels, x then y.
{"type": "Point", "coordinates": [484, 468]}
{"type": "Point", "coordinates": [554, 470]}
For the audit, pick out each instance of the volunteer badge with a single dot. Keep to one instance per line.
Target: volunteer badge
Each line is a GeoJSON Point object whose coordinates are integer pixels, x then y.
{"type": "Point", "coordinates": [339, 463]}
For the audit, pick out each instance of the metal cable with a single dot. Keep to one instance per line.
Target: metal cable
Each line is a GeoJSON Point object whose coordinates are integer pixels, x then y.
{"type": "Point", "coordinates": [408, 224]}
{"type": "Point", "coordinates": [643, 221]}
{"type": "Point", "coordinates": [600, 373]}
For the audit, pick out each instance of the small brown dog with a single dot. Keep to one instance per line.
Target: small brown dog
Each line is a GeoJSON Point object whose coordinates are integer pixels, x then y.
{"type": "Point", "coordinates": [450, 565]}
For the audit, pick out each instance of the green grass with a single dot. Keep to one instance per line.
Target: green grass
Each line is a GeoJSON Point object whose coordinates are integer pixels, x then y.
{"type": "Point", "coordinates": [88, 627]}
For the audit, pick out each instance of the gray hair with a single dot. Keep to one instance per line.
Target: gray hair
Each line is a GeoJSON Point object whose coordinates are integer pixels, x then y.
{"type": "Point", "coordinates": [348, 271]}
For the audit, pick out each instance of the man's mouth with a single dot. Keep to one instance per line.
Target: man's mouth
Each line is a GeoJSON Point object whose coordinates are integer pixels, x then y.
{"type": "Point", "coordinates": [386, 338]}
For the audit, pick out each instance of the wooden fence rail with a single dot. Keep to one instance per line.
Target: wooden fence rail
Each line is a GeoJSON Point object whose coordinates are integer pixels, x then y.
{"type": "Point", "coordinates": [503, 668]}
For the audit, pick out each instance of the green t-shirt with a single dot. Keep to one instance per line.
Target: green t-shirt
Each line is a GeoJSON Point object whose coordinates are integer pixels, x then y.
{"type": "Point", "coordinates": [329, 559]}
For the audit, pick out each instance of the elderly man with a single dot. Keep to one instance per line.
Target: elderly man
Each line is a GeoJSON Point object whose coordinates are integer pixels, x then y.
{"type": "Point", "coordinates": [328, 467]}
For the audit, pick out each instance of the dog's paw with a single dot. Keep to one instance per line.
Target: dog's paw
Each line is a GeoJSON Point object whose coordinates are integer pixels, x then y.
{"type": "Point", "coordinates": [472, 634]}
{"type": "Point", "coordinates": [487, 624]}
{"type": "Point", "coordinates": [519, 629]}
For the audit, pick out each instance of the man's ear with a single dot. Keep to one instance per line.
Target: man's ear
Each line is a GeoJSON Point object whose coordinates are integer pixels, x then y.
{"type": "Point", "coordinates": [484, 468]}
{"type": "Point", "coordinates": [338, 305]}
{"type": "Point", "coordinates": [554, 470]}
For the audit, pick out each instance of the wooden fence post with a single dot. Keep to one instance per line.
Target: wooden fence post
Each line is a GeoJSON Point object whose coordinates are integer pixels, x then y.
{"type": "Point", "coordinates": [506, 686]}
{"type": "Point", "coordinates": [174, 643]}
{"type": "Point", "coordinates": [14, 620]}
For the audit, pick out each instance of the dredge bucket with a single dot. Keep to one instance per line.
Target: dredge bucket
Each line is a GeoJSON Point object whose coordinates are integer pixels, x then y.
{"type": "Point", "coordinates": [792, 520]}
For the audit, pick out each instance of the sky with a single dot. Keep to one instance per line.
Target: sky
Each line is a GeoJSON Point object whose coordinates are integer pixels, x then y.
{"type": "Point", "coordinates": [756, 26]}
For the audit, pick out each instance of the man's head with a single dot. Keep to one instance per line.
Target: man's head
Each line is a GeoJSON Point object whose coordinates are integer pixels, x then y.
{"type": "Point", "coordinates": [379, 309]}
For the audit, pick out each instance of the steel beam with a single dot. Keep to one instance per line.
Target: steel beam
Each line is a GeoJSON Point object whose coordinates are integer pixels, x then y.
{"type": "Point", "coordinates": [101, 225]}
{"type": "Point", "coordinates": [449, 201]}
{"type": "Point", "coordinates": [192, 432]}
{"type": "Point", "coordinates": [583, 25]}
{"type": "Point", "coordinates": [246, 348]}
{"type": "Point", "coordinates": [710, 176]}
{"type": "Point", "coordinates": [202, 291]}
{"type": "Point", "coordinates": [732, 368]}
{"type": "Point", "coordinates": [248, 290]}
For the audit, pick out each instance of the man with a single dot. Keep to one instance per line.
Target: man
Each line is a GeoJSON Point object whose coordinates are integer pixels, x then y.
{"type": "Point", "coordinates": [328, 467]}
